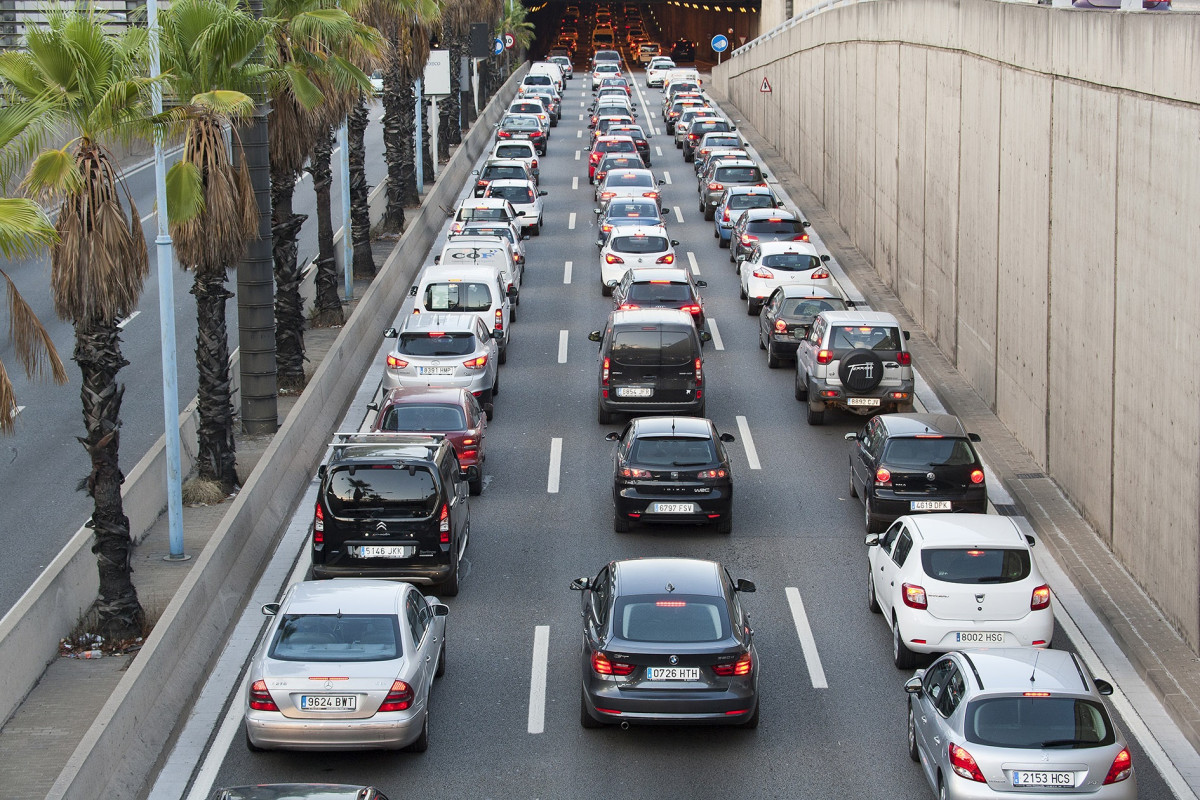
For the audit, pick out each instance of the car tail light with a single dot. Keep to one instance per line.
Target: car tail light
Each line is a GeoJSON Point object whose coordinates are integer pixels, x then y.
{"type": "Point", "coordinates": [260, 699]}
{"type": "Point", "coordinates": [396, 363]}
{"type": "Point", "coordinates": [692, 137]}
{"type": "Point", "coordinates": [712, 473]}
{"type": "Point", "coordinates": [503, 135]}
{"type": "Point", "coordinates": [883, 476]}
{"type": "Point", "coordinates": [690, 309]}
{"type": "Point", "coordinates": [607, 195]}
{"type": "Point", "coordinates": [469, 454]}
{"type": "Point", "coordinates": [499, 319]}
{"type": "Point", "coordinates": [533, 164]}
{"type": "Point", "coordinates": [914, 596]}
{"type": "Point", "coordinates": [741, 667]}
{"type": "Point", "coordinates": [651, 195]}
{"type": "Point", "coordinates": [604, 372]}
{"type": "Point", "coordinates": [444, 524]}
{"type": "Point", "coordinates": [476, 363]}
{"type": "Point", "coordinates": [594, 157]}
{"type": "Point", "coordinates": [699, 373]}
{"type": "Point", "coordinates": [964, 764]}
{"type": "Point", "coordinates": [1122, 768]}
{"type": "Point", "coordinates": [763, 272]}
{"type": "Point", "coordinates": [606, 228]}
{"type": "Point", "coordinates": [627, 306]}
{"type": "Point", "coordinates": [715, 187]}
{"type": "Point", "coordinates": [634, 472]}
{"type": "Point", "coordinates": [904, 358]}
{"type": "Point", "coordinates": [609, 258]}
{"type": "Point", "coordinates": [820, 274]}
{"type": "Point", "coordinates": [481, 184]}
{"type": "Point", "coordinates": [976, 476]}
{"type": "Point", "coordinates": [1040, 598]}
{"type": "Point", "coordinates": [399, 698]}
{"type": "Point", "coordinates": [801, 238]}
{"type": "Point", "coordinates": [725, 215]}
{"type": "Point", "coordinates": [319, 525]}
{"type": "Point", "coordinates": [669, 258]}
{"type": "Point", "coordinates": [824, 356]}
{"type": "Point", "coordinates": [602, 666]}
{"type": "Point", "coordinates": [780, 326]}
{"type": "Point", "coordinates": [747, 239]}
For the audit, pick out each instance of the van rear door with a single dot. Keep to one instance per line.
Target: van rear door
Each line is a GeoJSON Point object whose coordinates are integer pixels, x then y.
{"type": "Point", "coordinates": [661, 360]}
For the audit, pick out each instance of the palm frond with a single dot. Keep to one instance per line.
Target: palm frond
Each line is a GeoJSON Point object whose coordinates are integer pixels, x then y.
{"type": "Point", "coordinates": [53, 174]}
{"type": "Point", "coordinates": [31, 341]}
{"type": "Point", "coordinates": [185, 193]}
{"type": "Point", "coordinates": [24, 228]}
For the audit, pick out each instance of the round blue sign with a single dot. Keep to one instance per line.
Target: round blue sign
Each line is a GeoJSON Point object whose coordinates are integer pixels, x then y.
{"type": "Point", "coordinates": [497, 46]}
{"type": "Point", "coordinates": [720, 43]}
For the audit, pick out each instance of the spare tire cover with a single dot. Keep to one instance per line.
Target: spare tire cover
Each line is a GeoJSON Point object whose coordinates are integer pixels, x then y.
{"type": "Point", "coordinates": [861, 370]}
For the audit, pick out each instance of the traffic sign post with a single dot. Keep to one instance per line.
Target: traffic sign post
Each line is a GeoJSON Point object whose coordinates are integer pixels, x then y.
{"type": "Point", "coordinates": [509, 41]}
{"type": "Point", "coordinates": [497, 47]}
{"type": "Point", "coordinates": [720, 43]}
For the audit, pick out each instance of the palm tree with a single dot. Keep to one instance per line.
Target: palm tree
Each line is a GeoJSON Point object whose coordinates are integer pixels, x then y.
{"type": "Point", "coordinates": [457, 16]}
{"type": "Point", "coordinates": [512, 20]}
{"type": "Point", "coordinates": [83, 79]}
{"type": "Point", "coordinates": [207, 51]}
{"type": "Point", "coordinates": [24, 230]}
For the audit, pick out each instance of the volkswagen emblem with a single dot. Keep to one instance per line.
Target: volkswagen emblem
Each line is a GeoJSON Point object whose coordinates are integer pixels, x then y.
{"type": "Point", "coordinates": [930, 476]}
{"type": "Point", "coordinates": [674, 476]}
{"type": "Point", "coordinates": [979, 598]}
{"type": "Point", "coordinates": [329, 686]}
{"type": "Point", "coordinates": [674, 660]}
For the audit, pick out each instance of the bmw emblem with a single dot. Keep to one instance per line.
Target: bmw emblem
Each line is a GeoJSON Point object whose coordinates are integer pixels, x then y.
{"type": "Point", "coordinates": [674, 660]}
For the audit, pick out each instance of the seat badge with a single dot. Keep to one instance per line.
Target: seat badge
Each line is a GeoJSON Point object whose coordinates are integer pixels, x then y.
{"type": "Point", "coordinates": [930, 476]}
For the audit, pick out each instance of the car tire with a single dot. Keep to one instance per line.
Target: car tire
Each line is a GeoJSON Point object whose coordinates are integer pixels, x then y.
{"type": "Point", "coordinates": [773, 361]}
{"type": "Point", "coordinates": [725, 527]}
{"type": "Point", "coordinates": [902, 657]}
{"type": "Point", "coordinates": [503, 355]}
{"type": "Point", "coordinates": [708, 213]}
{"type": "Point", "coordinates": [761, 346]}
{"type": "Point", "coordinates": [715, 234]}
{"type": "Point", "coordinates": [853, 488]}
{"type": "Point", "coordinates": [537, 229]}
{"type": "Point", "coordinates": [421, 744]}
{"type": "Point", "coordinates": [732, 260]}
{"type": "Point", "coordinates": [752, 721]}
{"type": "Point", "coordinates": [449, 587]}
{"type": "Point", "coordinates": [606, 290]}
{"type": "Point", "coordinates": [742, 291]}
{"type": "Point", "coordinates": [700, 205]}
{"type": "Point", "coordinates": [723, 243]}
{"type": "Point", "coordinates": [872, 598]}
{"type": "Point", "coordinates": [871, 522]}
{"type": "Point", "coordinates": [620, 523]}
{"type": "Point", "coordinates": [604, 417]}
{"type": "Point", "coordinates": [801, 387]}
{"type": "Point", "coordinates": [586, 720]}
{"type": "Point", "coordinates": [512, 312]}
{"type": "Point", "coordinates": [441, 667]}
{"type": "Point", "coordinates": [913, 753]}
{"type": "Point", "coordinates": [752, 307]}
{"type": "Point", "coordinates": [251, 746]}
{"type": "Point", "coordinates": [815, 417]}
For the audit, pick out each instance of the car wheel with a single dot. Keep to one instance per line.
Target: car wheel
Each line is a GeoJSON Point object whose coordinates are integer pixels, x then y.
{"type": "Point", "coordinates": [512, 312]}
{"type": "Point", "coordinates": [853, 488]}
{"type": "Point", "coordinates": [773, 361]}
{"type": "Point", "coordinates": [586, 720]}
{"type": "Point", "coordinates": [872, 522]}
{"type": "Point", "coordinates": [752, 721]}
{"type": "Point", "coordinates": [801, 388]}
{"type": "Point", "coordinates": [902, 657]}
{"type": "Point", "coordinates": [815, 417]}
{"type": "Point", "coordinates": [761, 346]}
{"type": "Point", "coordinates": [725, 526]}
{"type": "Point", "coordinates": [700, 205]}
{"type": "Point", "coordinates": [503, 355]}
{"type": "Point", "coordinates": [422, 742]}
{"type": "Point", "coordinates": [251, 746]}
{"type": "Point", "coordinates": [708, 214]}
{"type": "Point", "coordinates": [496, 386]}
{"type": "Point", "coordinates": [620, 522]}
{"type": "Point", "coordinates": [723, 243]}
{"type": "Point", "coordinates": [441, 667]}
{"type": "Point", "coordinates": [742, 291]}
{"type": "Point", "coordinates": [602, 416]}
{"type": "Point", "coordinates": [752, 307]}
{"type": "Point", "coordinates": [912, 735]}
{"type": "Point", "coordinates": [732, 260]}
{"type": "Point", "coordinates": [449, 587]}
{"type": "Point", "coordinates": [872, 598]}
{"type": "Point", "coordinates": [606, 290]}
{"type": "Point", "coordinates": [537, 229]}
{"type": "Point", "coordinates": [716, 235]}
{"type": "Point", "coordinates": [941, 789]}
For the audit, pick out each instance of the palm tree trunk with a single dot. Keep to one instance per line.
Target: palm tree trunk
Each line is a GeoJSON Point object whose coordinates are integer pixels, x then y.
{"type": "Point", "coordinates": [289, 306]}
{"type": "Point", "coordinates": [216, 457]}
{"type": "Point", "coordinates": [449, 133]}
{"type": "Point", "coordinates": [98, 354]}
{"type": "Point", "coordinates": [407, 129]}
{"type": "Point", "coordinates": [393, 88]}
{"type": "Point", "coordinates": [328, 304]}
{"type": "Point", "coordinates": [360, 190]}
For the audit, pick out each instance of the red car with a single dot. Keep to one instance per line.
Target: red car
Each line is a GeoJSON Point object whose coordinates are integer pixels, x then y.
{"type": "Point", "coordinates": [609, 144]}
{"type": "Point", "coordinates": [453, 412]}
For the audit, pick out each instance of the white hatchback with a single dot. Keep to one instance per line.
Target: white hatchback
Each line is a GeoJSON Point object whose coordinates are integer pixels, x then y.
{"type": "Point", "coordinates": [630, 247]}
{"type": "Point", "coordinates": [952, 581]}
{"type": "Point", "coordinates": [772, 264]}
{"type": "Point", "coordinates": [657, 70]}
{"type": "Point", "coordinates": [526, 200]}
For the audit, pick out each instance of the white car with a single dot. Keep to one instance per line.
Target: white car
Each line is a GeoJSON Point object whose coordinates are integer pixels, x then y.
{"type": "Point", "coordinates": [647, 52]}
{"type": "Point", "coordinates": [657, 71]}
{"type": "Point", "coordinates": [605, 69]}
{"type": "Point", "coordinates": [773, 264]}
{"type": "Point", "coordinates": [522, 150]}
{"type": "Point", "coordinates": [526, 200]}
{"type": "Point", "coordinates": [629, 183]}
{"type": "Point", "coordinates": [482, 209]}
{"type": "Point", "coordinates": [387, 642]}
{"type": "Point", "coordinates": [951, 581]}
{"type": "Point", "coordinates": [508, 231]}
{"type": "Point", "coordinates": [630, 247]}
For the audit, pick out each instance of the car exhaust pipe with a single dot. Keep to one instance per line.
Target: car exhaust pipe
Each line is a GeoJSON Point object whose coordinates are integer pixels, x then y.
{"type": "Point", "coordinates": [625, 725]}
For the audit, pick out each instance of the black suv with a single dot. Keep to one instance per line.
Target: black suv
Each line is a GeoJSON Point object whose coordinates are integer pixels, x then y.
{"type": "Point", "coordinates": [683, 50]}
{"type": "Point", "coordinates": [910, 463]}
{"type": "Point", "coordinates": [391, 505]}
{"type": "Point", "coordinates": [650, 362]}
{"type": "Point", "coordinates": [672, 469]}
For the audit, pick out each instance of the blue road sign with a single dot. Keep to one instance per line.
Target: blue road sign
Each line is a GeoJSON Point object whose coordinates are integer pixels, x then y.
{"type": "Point", "coordinates": [497, 47]}
{"type": "Point", "coordinates": [720, 43]}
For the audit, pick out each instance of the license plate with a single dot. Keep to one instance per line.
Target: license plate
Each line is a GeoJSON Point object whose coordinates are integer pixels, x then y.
{"type": "Point", "coordinates": [1042, 778]}
{"type": "Point", "coordinates": [435, 370]}
{"type": "Point", "coordinates": [672, 673]}
{"type": "Point", "coordinates": [929, 505]}
{"type": "Point", "coordinates": [384, 551]}
{"type": "Point", "coordinates": [328, 702]}
{"type": "Point", "coordinates": [673, 508]}
{"type": "Point", "coordinates": [979, 637]}
{"type": "Point", "coordinates": [862, 401]}
{"type": "Point", "coordinates": [635, 391]}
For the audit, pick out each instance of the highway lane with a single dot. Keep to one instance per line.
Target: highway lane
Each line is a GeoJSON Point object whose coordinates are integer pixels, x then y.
{"type": "Point", "coordinates": [833, 714]}
{"type": "Point", "coordinates": [41, 464]}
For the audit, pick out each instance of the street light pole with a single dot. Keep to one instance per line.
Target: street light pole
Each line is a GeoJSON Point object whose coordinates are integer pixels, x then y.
{"type": "Point", "coordinates": [166, 309]}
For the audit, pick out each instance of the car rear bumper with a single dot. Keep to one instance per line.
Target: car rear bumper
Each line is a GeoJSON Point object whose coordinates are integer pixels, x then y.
{"type": "Point", "coordinates": [427, 571]}
{"type": "Point", "coordinates": [784, 345]}
{"type": "Point", "coordinates": [638, 504]}
{"type": "Point", "coordinates": [959, 788]}
{"type": "Point", "coordinates": [472, 383]}
{"type": "Point", "coordinates": [680, 707]}
{"type": "Point", "coordinates": [888, 505]}
{"type": "Point", "coordinates": [688, 407]}
{"type": "Point", "coordinates": [817, 397]}
{"type": "Point", "coordinates": [924, 633]}
{"type": "Point", "coordinates": [389, 731]}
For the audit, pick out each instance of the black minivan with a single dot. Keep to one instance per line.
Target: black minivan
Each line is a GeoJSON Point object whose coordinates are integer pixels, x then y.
{"type": "Point", "coordinates": [391, 505]}
{"type": "Point", "coordinates": [650, 363]}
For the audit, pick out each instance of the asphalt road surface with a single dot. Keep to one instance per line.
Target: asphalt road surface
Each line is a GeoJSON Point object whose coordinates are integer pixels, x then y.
{"type": "Point", "coordinates": [833, 712]}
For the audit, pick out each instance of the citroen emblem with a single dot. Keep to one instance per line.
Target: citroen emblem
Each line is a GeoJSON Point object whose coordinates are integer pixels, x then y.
{"type": "Point", "coordinates": [381, 526]}
{"type": "Point", "coordinates": [329, 686]}
{"type": "Point", "coordinates": [674, 660]}
{"type": "Point", "coordinates": [979, 598]}
{"type": "Point", "coordinates": [930, 476]}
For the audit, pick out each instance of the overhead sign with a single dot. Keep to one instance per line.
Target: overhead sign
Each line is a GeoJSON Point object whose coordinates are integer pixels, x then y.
{"type": "Point", "coordinates": [720, 43]}
{"type": "Point", "coordinates": [497, 47]}
{"type": "Point", "coordinates": [437, 73]}
{"type": "Point", "coordinates": [766, 85]}
{"type": "Point", "coordinates": [481, 45]}
{"type": "Point", "coordinates": [509, 41]}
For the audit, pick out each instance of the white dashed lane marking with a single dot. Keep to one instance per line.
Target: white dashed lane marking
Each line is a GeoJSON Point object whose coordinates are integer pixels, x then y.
{"type": "Point", "coordinates": [567, 272]}
{"type": "Point", "coordinates": [128, 320]}
{"type": "Point", "coordinates": [678, 215]}
{"type": "Point", "coordinates": [555, 465]}
{"type": "Point", "coordinates": [692, 263]}
{"type": "Point", "coordinates": [667, 177]}
{"type": "Point", "coordinates": [815, 672]}
{"type": "Point", "coordinates": [562, 347]}
{"type": "Point", "coordinates": [748, 443]}
{"type": "Point", "coordinates": [575, 184]}
{"type": "Point", "coordinates": [718, 342]}
{"type": "Point", "coordinates": [537, 678]}
{"type": "Point", "coordinates": [571, 221]}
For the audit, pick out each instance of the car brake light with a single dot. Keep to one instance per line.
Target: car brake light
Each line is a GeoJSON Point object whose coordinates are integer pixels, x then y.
{"type": "Point", "coordinates": [801, 238]}
{"type": "Point", "coordinates": [319, 525]}
{"type": "Point", "coordinates": [604, 372]}
{"type": "Point", "coordinates": [594, 157]}
{"type": "Point", "coordinates": [503, 135]}
{"type": "Point", "coordinates": [399, 698]}
{"type": "Point", "coordinates": [883, 476]}
{"type": "Point", "coordinates": [725, 215]}
{"type": "Point", "coordinates": [690, 309]}
{"type": "Point", "coordinates": [904, 358]}
{"type": "Point", "coordinates": [260, 699]}
{"type": "Point", "coordinates": [634, 472]}
{"type": "Point", "coordinates": [481, 183]}
{"type": "Point", "coordinates": [396, 363]}
{"type": "Point", "coordinates": [607, 195]}
{"type": "Point", "coordinates": [533, 164]}
{"type": "Point", "coordinates": [964, 764]}
{"type": "Point", "coordinates": [1122, 768]}
{"type": "Point", "coordinates": [747, 239]}
{"type": "Point", "coordinates": [824, 356]}
{"type": "Point", "coordinates": [741, 667]}
{"type": "Point", "coordinates": [712, 473]}
{"type": "Point", "coordinates": [1040, 598]}
{"type": "Point", "coordinates": [444, 524]}
{"type": "Point", "coordinates": [699, 373]}
{"type": "Point", "coordinates": [602, 666]}
{"type": "Point", "coordinates": [476, 363]}
{"type": "Point", "coordinates": [914, 597]}
{"type": "Point", "coordinates": [820, 274]}
{"type": "Point", "coordinates": [651, 195]}
{"type": "Point", "coordinates": [499, 319]}
{"type": "Point", "coordinates": [669, 258]}
{"type": "Point", "coordinates": [763, 272]}
{"type": "Point", "coordinates": [606, 227]}
{"type": "Point", "coordinates": [627, 307]}
{"type": "Point", "coordinates": [976, 476]}
{"type": "Point", "coordinates": [715, 187]}
{"type": "Point", "coordinates": [692, 137]}
{"type": "Point", "coordinates": [780, 326]}
{"type": "Point", "coordinates": [609, 258]}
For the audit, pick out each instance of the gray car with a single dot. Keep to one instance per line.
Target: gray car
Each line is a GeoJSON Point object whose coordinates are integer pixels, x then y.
{"type": "Point", "coordinates": [1016, 722]}
{"type": "Point", "coordinates": [381, 642]}
{"type": "Point", "coordinates": [666, 641]}
{"type": "Point", "coordinates": [743, 172]}
{"type": "Point", "coordinates": [441, 349]}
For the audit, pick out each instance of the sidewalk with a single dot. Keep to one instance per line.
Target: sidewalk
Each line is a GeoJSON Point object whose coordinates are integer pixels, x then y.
{"type": "Point", "coordinates": [1157, 652]}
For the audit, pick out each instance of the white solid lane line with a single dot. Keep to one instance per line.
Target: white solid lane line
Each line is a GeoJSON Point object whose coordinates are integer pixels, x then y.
{"type": "Point", "coordinates": [718, 343]}
{"type": "Point", "coordinates": [562, 347]}
{"type": "Point", "coordinates": [678, 215]}
{"type": "Point", "coordinates": [537, 679]}
{"type": "Point", "coordinates": [555, 465]}
{"type": "Point", "coordinates": [692, 263]}
{"type": "Point", "coordinates": [571, 221]}
{"type": "Point", "coordinates": [748, 443]}
{"type": "Point", "coordinates": [667, 177]}
{"type": "Point", "coordinates": [575, 184]}
{"type": "Point", "coordinates": [128, 320]}
{"type": "Point", "coordinates": [567, 272]}
{"type": "Point", "coordinates": [815, 672]}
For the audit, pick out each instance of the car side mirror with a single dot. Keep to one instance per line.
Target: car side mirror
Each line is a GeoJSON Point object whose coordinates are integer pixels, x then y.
{"type": "Point", "coordinates": [1103, 687]}
{"type": "Point", "coordinates": [851, 437]}
{"type": "Point", "coordinates": [439, 609]}
{"type": "Point", "coordinates": [913, 685]}
{"type": "Point", "coordinates": [520, 213]}
{"type": "Point", "coordinates": [674, 243]}
{"type": "Point", "coordinates": [974, 437]}
{"type": "Point", "coordinates": [726, 437]}
{"type": "Point", "coordinates": [850, 304]}
{"type": "Point", "coordinates": [613, 436]}
{"type": "Point", "coordinates": [321, 471]}
{"type": "Point", "coordinates": [437, 259]}
{"type": "Point", "coordinates": [804, 222]}
{"type": "Point", "coordinates": [907, 335]}
{"type": "Point", "coordinates": [511, 291]}
{"type": "Point", "coordinates": [474, 172]}
{"type": "Point", "coordinates": [733, 127]}
{"type": "Point", "coordinates": [612, 284]}
{"type": "Point", "coordinates": [391, 333]}
{"type": "Point", "coordinates": [662, 182]}
{"type": "Point", "coordinates": [705, 336]}
{"type": "Point", "coordinates": [701, 284]}
{"type": "Point", "coordinates": [594, 336]}
{"type": "Point", "coordinates": [597, 211]}
{"type": "Point", "coordinates": [579, 584]}
{"type": "Point", "coordinates": [497, 125]}
{"type": "Point", "coordinates": [412, 291]}
{"type": "Point", "coordinates": [372, 406]}
{"type": "Point", "coordinates": [744, 585]}
{"type": "Point", "coordinates": [872, 539]}
{"type": "Point", "coordinates": [599, 243]}
{"type": "Point", "coordinates": [270, 609]}
{"type": "Point", "coordinates": [542, 194]}
{"type": "Point", "coordinates": [825, 259]}
{"type": "Point", "coordinates": [1032, 541]}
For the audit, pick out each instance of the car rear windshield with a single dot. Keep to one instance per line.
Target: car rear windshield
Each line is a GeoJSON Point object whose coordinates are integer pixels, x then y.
{"type": "Point", "coordinates": [618, 208]}
{"type": "Point", "coordinates": [412, 417]}
{"type": "Point", "coordinates": [511, 172]}
{"type": "Point", "coordinates": [870, 337]}
{"type": "Point", "coordinates": [390, 489]}
{"type": "Point", "coordinates": [738, 174]}
{"type": "Point", "coordinates": [1036, 723]}
{"type": "Point", "coordinates": [640, 244]}
{"type": "Point", "coordinates": [340, 637]}
{"type": "Point", "coordinates": [521, 125]}
{"type": "Point", "coordinates": [420, 343]}
{"type": "Point", "coordinates": [490, 214]}
{"type": "Point", "coordinates": [976, 565]}
{"type": "Point", "coordinates": [526, 108]}
{"type": "Point", "coordinates": [810, 307]}
{"type": "Point", "coordinates": [791, 262]}
{"type": "Point", "coordinates": [721, 141]}
{"type": "Point", "coordinates": [772, 225]}
{"type": "Point", "coordinates": [537, 79]}
{"type": "Point", "coordinates": [620, 162]}
{"type": "Point", "coordinates": [616, 178]}
{"type": "Point", "coordinates": [457, 297]}
{"type": "Point", "coordinates": [513, 194]}
{"type": "Point", "coordinates": [623, 146]}
{"type": "Point", "coordinates": [667, 451]}
{"type": "Point", "coordinates": [499, 233]}
{"type": "Point", "coordinates": [671, 618]}
{"type": "Point", "coordinates": [740, 201]}
{"type": "Point", "coordinates": [922, 452]}
{"type": "Point", "coordinates": [514, 151]}
{"type": "Point", "coordinates": [660, 292]}
{"type": "Point", "coordinates": [652, 348]}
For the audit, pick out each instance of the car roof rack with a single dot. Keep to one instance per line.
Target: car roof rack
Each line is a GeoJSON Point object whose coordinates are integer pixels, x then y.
{"type": "Point", "coordinates": [387, 437]}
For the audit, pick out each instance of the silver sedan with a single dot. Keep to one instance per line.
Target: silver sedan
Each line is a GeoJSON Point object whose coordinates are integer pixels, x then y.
{"type": "Point", "coordinates": [346, 665]}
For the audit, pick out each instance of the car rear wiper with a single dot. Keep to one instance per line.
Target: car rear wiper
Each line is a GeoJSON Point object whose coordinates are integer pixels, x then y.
{"type": "Point", "coordinates": [1067, 742]}
{"type": "Point", "coordinates": [993, 579]}
{"type": "Point", "coordinates": [688, 463]}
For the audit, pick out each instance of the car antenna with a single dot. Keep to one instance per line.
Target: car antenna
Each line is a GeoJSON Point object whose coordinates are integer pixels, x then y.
{"type": "Point", "coordinates": [1033, 675]}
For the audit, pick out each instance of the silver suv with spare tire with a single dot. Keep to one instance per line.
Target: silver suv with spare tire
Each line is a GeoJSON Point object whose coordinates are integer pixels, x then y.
{"type": "Point", "coordinates": [857, 361]}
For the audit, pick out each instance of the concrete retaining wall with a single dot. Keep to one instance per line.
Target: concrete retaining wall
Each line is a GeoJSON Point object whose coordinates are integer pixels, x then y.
{"type": "Point", "coordinates": [128, 736]}
{"type": "Point", "coordinates": [1024, 178]}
